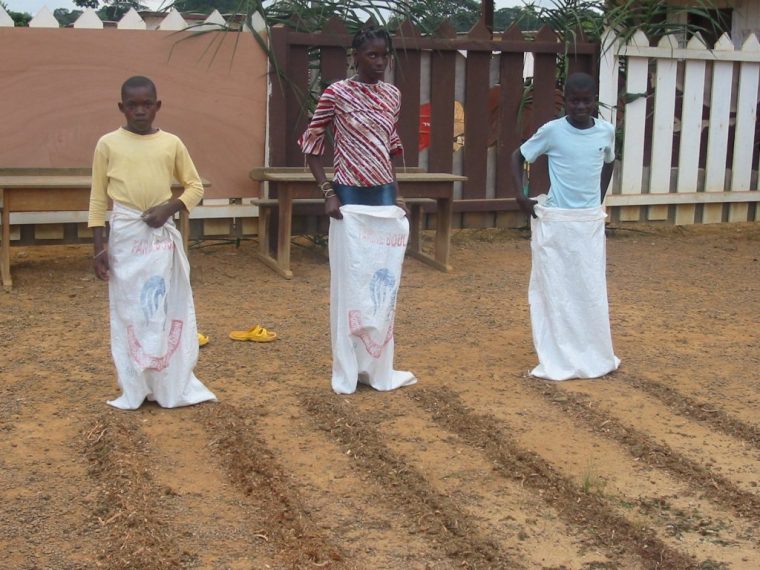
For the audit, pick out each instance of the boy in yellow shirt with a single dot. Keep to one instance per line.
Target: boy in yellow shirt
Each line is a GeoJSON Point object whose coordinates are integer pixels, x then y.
{"type": "Point", "coordinates": [154, 339]}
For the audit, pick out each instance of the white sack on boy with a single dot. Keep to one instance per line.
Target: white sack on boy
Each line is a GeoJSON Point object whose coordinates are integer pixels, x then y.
{"type": "Point", "coordinates": [366, 255]}
{"type": "Point", "coordinates": [154, 338]}
{"type": "Point", "coordinates": [568, 294]}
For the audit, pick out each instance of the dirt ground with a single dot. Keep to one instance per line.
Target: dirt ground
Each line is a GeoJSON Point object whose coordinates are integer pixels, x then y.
{"type": "Point", "coordinates": [476, 466]}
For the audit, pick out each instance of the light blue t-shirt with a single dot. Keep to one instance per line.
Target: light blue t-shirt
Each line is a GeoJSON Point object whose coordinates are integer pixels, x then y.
{"type": "Point", "coordinates": [575, 157]}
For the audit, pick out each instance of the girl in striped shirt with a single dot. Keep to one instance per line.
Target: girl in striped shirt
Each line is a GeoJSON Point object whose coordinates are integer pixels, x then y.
{"type": "Point", "coordinates": [363, 112]}
{"type": "Point", "coordinates": [368, 236]}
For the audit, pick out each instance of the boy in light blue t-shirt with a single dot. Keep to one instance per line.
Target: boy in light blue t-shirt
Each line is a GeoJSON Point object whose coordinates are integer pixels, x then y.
{"type": "Point", "coordinates": [580, 149]}
{"type": "Point", "coordinates": [568, 287]}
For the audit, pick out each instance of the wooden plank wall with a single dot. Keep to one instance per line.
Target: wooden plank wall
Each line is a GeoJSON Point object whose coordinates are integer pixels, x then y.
{"type": "Point", "coordinates": [509, 124]}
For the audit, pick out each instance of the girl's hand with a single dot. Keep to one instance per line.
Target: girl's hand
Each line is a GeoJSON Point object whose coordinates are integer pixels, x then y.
{"type": "Point", "coordinates": [332, 207]}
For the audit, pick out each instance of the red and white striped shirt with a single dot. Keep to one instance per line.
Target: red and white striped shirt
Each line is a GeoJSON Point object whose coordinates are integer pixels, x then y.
{"type": "Point", "coordinates": [364, 118]}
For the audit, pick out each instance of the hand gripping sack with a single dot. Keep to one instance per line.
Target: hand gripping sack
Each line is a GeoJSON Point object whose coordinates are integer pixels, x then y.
{"type": "Point", "coordinates": [366, 256]}
{"type": "Point", "coordinates": [568, 294]}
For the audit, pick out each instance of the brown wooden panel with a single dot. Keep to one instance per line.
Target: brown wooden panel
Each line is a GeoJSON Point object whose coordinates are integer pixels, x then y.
{"type": "Point", "coordinates": [407, 79]}
{"type": "Point", "coordinates": [47, 199]}
{"type": "Point", "coordinates": [510, 132]}
{"type": "Point", "coordinates": [492, 205]}
{"type": "Point", "coordinates": [278, 109]}
{"type": "Point", "coordinates": [298, 104]}
{"type": "Point", "coordinates": [456, 44]}
{"type": "Point", "coordinates": [476, 117]}
{"type": "Point", "coordinates": [581, 62]}
{"type": "Point", "coordinates": [544, 108]}
{"type": "Point", "coordinates": [442, 81]}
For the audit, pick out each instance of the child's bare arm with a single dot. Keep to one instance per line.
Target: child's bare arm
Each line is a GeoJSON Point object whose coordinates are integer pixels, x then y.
{"type": "Point", "coordinates": [607, 170]}
{"type": "Point", "coordinates": [526, 204]}
{"type": "Point", "coordinates": [100, 255]}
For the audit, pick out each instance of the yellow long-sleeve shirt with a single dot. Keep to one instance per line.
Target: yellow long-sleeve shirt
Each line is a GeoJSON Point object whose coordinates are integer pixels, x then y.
{"type": "Point", "coordinates": [138, 170]}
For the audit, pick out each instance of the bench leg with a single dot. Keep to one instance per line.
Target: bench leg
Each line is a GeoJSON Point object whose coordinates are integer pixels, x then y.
{"type": "Point", "coordinates": [415, 229]}
{"type": "Point", "coordinates": [265, 253]}
{"type": "Point", "coordinates": [440, 258]}
{"type": "Point", "coordinates": [5, 246]}
{"type": "Point", "coordinates": [443, 233]}
{"type": "Point", "coordinates": [285, 200]}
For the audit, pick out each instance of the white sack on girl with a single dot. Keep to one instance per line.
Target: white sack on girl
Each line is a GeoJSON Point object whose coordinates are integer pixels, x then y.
{"type": "Point", "coordinates": [568, 294]}
{"type": "Point", "coordinates": [154, 339]}
{"type": "Point", "coordinates": [366, 255]}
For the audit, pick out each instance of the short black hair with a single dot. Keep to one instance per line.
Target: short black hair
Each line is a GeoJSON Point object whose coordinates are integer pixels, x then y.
{"type": "Point", "coordinates": [368, 34]}
{"type": "Point", "coordinates": [138, 81]}
{"type": "Point", "coordinates": [580, 82]}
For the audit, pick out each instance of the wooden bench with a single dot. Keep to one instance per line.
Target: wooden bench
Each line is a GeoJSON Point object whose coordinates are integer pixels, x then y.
{"type": "Point", "coordinates": [296, 185]}
{"type": "Point", "coordinates": [51, 190]}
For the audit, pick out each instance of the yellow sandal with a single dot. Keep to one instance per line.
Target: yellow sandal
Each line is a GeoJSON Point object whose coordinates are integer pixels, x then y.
{"type": "Point", "coordinates": [256, 334]}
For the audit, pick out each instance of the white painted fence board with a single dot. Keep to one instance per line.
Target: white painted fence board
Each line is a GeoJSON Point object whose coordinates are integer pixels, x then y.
{"type": "Point", "coordinates": [609, 66]}
{"type": "Point", "coordinates": [635, 122]}
{"type": "Point", "coordinates": [717, 141]}
{"type": "Point", "coordinates": [5, 19]}
{"type": "Point", "coordinates": [44, 19]}
{"type": "Point", "coordinates": [746, 120]}
{"type": "Point", "coordinates": [173, 21]}
{"type": "Point", "coordinates": [682, 198]}
{"type": "Point", "coordinates": [688, 53]}
{"type": "Point", "coordinates": [691, 131]}
{"type": "Point", "coordinates": [132, 21]}
{"type": "Point", "coordinates": [89, 20]}
{"type": "Point", "coordinates": [662, 132]}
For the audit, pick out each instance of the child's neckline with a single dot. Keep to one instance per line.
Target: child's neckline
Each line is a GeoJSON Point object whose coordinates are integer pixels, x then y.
{"type": "Point", "coordinates": [126, 130]}
{"type": "Point", "coordinates": [355, 79]}
{"type": "Point", "coordinates": [591, 126]}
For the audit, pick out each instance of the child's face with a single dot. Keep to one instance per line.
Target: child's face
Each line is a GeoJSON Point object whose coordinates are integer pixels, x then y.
{"type": "Point", "coordinates": [371, 60]}
{"type": "Point", "coordinates": [140, 106]}
{"type": "Point", "coordinates": [580, 105]}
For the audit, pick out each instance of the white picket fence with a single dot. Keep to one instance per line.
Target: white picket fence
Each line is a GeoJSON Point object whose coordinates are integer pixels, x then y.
{"type": "Point", "coordinates": [723, 80]}
{"type": "Point", "coordinates": [132, 20]}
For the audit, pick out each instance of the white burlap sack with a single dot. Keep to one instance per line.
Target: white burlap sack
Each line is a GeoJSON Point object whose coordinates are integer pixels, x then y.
{"type": "Point", "coordinates": [366, 255]}
{"type": "Point", "coordinates": [154, 339]}
{"type": "Point", "coordinates": [568, 294]}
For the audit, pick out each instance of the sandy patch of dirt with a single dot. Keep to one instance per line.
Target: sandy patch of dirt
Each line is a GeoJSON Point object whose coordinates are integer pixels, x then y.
{"type": "Point", "coordinates": [477, 466]}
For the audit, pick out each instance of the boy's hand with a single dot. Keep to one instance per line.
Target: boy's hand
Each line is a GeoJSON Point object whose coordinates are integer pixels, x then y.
{"type": "Point", "coordinates": [527, 205]}
{"type": "Point", "coordinates": [100, 263]}
{"type": "Point", "coordinates": [157, 216]}
{"type": "Point", "coordinates": [332, 207]}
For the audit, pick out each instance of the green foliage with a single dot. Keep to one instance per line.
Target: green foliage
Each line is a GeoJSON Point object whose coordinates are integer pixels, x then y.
{"type": "Point", "coordinates": [66, 17]}
{"type": "Point", "coordinates": [525, 18]}
{"type": "Point", "coordinates": [110, 9]}
{"type": "Point", "coordinates": [208, 6]}
{"type": "Point", "coordinates": [429, 14]}
{"type": "Point", "coordinates": [20, 19]}
{"type": "Point", "coordinates": [656, 18]}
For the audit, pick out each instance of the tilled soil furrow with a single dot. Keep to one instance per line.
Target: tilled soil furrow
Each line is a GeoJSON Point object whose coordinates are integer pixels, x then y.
{"type": "Point", "coordinates": [254, 469]}
{"type": "Point", "coordinates": [130, 505]}
{"type": "Point", "coordinates": [503, 508]}
{"type": "Point", "coordinates": [708, 414]}
{"type": "Point", "coordinates": [437, 515]}
{"type": "Point", "coordinates": [588, 512]}
{"type": "Point", "coordinates": [207, 513]}
{"type": "Point", "coordinates": [341, 499]}
{"type": "Point", "coordinates": [713, 486]}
